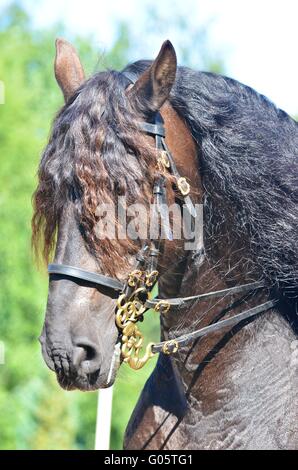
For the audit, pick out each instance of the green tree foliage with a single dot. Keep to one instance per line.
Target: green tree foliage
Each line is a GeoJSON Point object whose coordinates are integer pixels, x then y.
{"type": "Point", "coordinates": [30, 99]}
{"type": "Point", "coordinates": [34, 412]}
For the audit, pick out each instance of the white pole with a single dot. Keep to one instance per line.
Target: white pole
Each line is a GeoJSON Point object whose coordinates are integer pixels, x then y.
{"type": "Point", "coordinates": [103, 420]}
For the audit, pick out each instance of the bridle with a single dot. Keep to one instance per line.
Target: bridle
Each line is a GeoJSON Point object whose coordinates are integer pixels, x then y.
{"type": "Point", "coordinates": [134, 296]}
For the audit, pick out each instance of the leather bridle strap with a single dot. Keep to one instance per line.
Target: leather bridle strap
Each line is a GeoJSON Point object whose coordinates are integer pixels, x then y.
{"type": "Point", "coordinates": [172, 345]}
{"type": "Point", "coordinates": [173, 304]}
{"type": "Point", "coordinates": [154, 129]}
{"type": "Point", "coordinates": [178, 303]}
{"type": "Point", "coordinates": [187, 199]}
{"type": "Point", "coordinates": [88, 276]}
{"type": "Point", "coordinates": [157, 129]}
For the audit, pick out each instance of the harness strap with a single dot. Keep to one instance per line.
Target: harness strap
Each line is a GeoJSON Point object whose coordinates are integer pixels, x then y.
{"type": "Point", "coordinates": [88, 276]}
{"type": "Point", "coordinates": [187, 199]}
{"type": "Point", "coordinates": [170, 346]}
{"type": "Point", "coordinates": [155, 129]}
{"type": "Point", "coordinates": [153, 256]}
{"type": "Point", "coordinates": [178, 303]}
{"type": "Point", "coordinates": [160, 200]}
{"type": "Point", "coordinates": [173, 304]}
{"type": "Point", "coordinates": [158, 130]}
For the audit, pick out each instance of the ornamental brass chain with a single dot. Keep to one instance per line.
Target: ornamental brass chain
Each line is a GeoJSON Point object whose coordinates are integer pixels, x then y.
{"type": "Point", "coordinates": [130, 309]}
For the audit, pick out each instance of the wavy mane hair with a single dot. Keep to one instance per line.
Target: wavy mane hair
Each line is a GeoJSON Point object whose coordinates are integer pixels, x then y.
{"type": "Point", "coordinates": [95, 153]}
{"type": "Point", "coordinates": [248, 162]}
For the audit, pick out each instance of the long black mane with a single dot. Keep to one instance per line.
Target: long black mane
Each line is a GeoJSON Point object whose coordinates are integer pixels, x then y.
{"type": "Point", "coordinates": [249, 166]}
{"type": "Point", "coordinates": [248, 162]}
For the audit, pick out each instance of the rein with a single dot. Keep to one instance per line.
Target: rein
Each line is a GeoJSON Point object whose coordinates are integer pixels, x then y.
{"type": "Point", "coordinates": [133, 296]}
{"type": "Point", "coordinates": [131, 308]}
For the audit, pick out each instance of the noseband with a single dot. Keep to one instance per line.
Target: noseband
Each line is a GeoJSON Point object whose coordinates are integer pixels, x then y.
{"type": "Point", "coordinates": [134, 296]}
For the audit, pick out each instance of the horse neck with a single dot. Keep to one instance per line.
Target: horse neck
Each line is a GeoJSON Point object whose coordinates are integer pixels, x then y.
{"type": "Point", "coordinates": [240, 379]}
{"type": "Point", "coordinates": [233, 389]}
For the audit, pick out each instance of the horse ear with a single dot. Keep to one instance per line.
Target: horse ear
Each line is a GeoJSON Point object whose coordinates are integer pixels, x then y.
{"type": "Point", "coordinates": [154, 86]}
{"type": "Point", "coordinates": [69, 72]}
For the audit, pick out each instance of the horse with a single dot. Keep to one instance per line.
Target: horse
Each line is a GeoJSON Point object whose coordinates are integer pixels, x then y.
{"type": "Point", "coordinates": [157, 134]}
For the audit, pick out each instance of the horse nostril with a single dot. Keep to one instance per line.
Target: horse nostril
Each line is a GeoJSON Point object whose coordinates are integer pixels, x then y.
{"type": "Point", "coordinates": [90, 352]}
{"type": "Point", "coordinates": [85, 355]}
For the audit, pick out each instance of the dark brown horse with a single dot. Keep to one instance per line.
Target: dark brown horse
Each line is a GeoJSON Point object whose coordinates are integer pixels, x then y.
{"type": "Point", "coordinates": [235, 388]}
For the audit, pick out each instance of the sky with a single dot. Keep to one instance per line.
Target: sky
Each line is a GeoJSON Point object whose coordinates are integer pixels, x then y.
{"type": "Point", "coordinates": [258, 38]}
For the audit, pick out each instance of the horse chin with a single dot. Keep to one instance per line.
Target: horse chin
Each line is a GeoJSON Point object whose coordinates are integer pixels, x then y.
{"type": "Point", "coordinates": [86, 383]}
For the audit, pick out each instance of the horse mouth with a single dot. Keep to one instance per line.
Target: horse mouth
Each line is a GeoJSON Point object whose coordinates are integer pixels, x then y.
{"type": "Point", "coordinates": [92, 381]}
{"type": "Point", "coordinates": [86, 383]}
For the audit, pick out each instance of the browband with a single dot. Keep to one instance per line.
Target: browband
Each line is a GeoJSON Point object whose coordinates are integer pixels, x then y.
{"type": "Point", "coordinates": [154, 129]}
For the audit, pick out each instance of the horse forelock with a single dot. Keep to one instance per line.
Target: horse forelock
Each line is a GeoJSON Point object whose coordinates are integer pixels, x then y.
{"type": "Point", "coordinates": [95, 153]}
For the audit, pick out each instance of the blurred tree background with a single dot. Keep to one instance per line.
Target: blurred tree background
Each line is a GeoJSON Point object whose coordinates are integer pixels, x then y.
{"type": "Point", "coordinates": [34, 412]}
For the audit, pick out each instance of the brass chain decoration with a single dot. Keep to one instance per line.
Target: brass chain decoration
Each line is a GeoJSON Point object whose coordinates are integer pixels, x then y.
{"type": "Point", "coordinates": [130, 310]}
{"type": "Point", "coordinates": [163, 163]}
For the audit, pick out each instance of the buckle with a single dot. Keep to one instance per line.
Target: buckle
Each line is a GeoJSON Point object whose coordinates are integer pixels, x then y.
{"type": "Point", "coordinates": [170, 347]}
{"type": "Point", "coordinates": [151, 278]}
{"type": "Point", "coordinates": [183, 186]}
{"type": "Point", "coordinates": [163, 161]}
{"type": "Point", "coordinates": [134, 278]}
{"type": "Point", "coordinates": [163, 306]}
